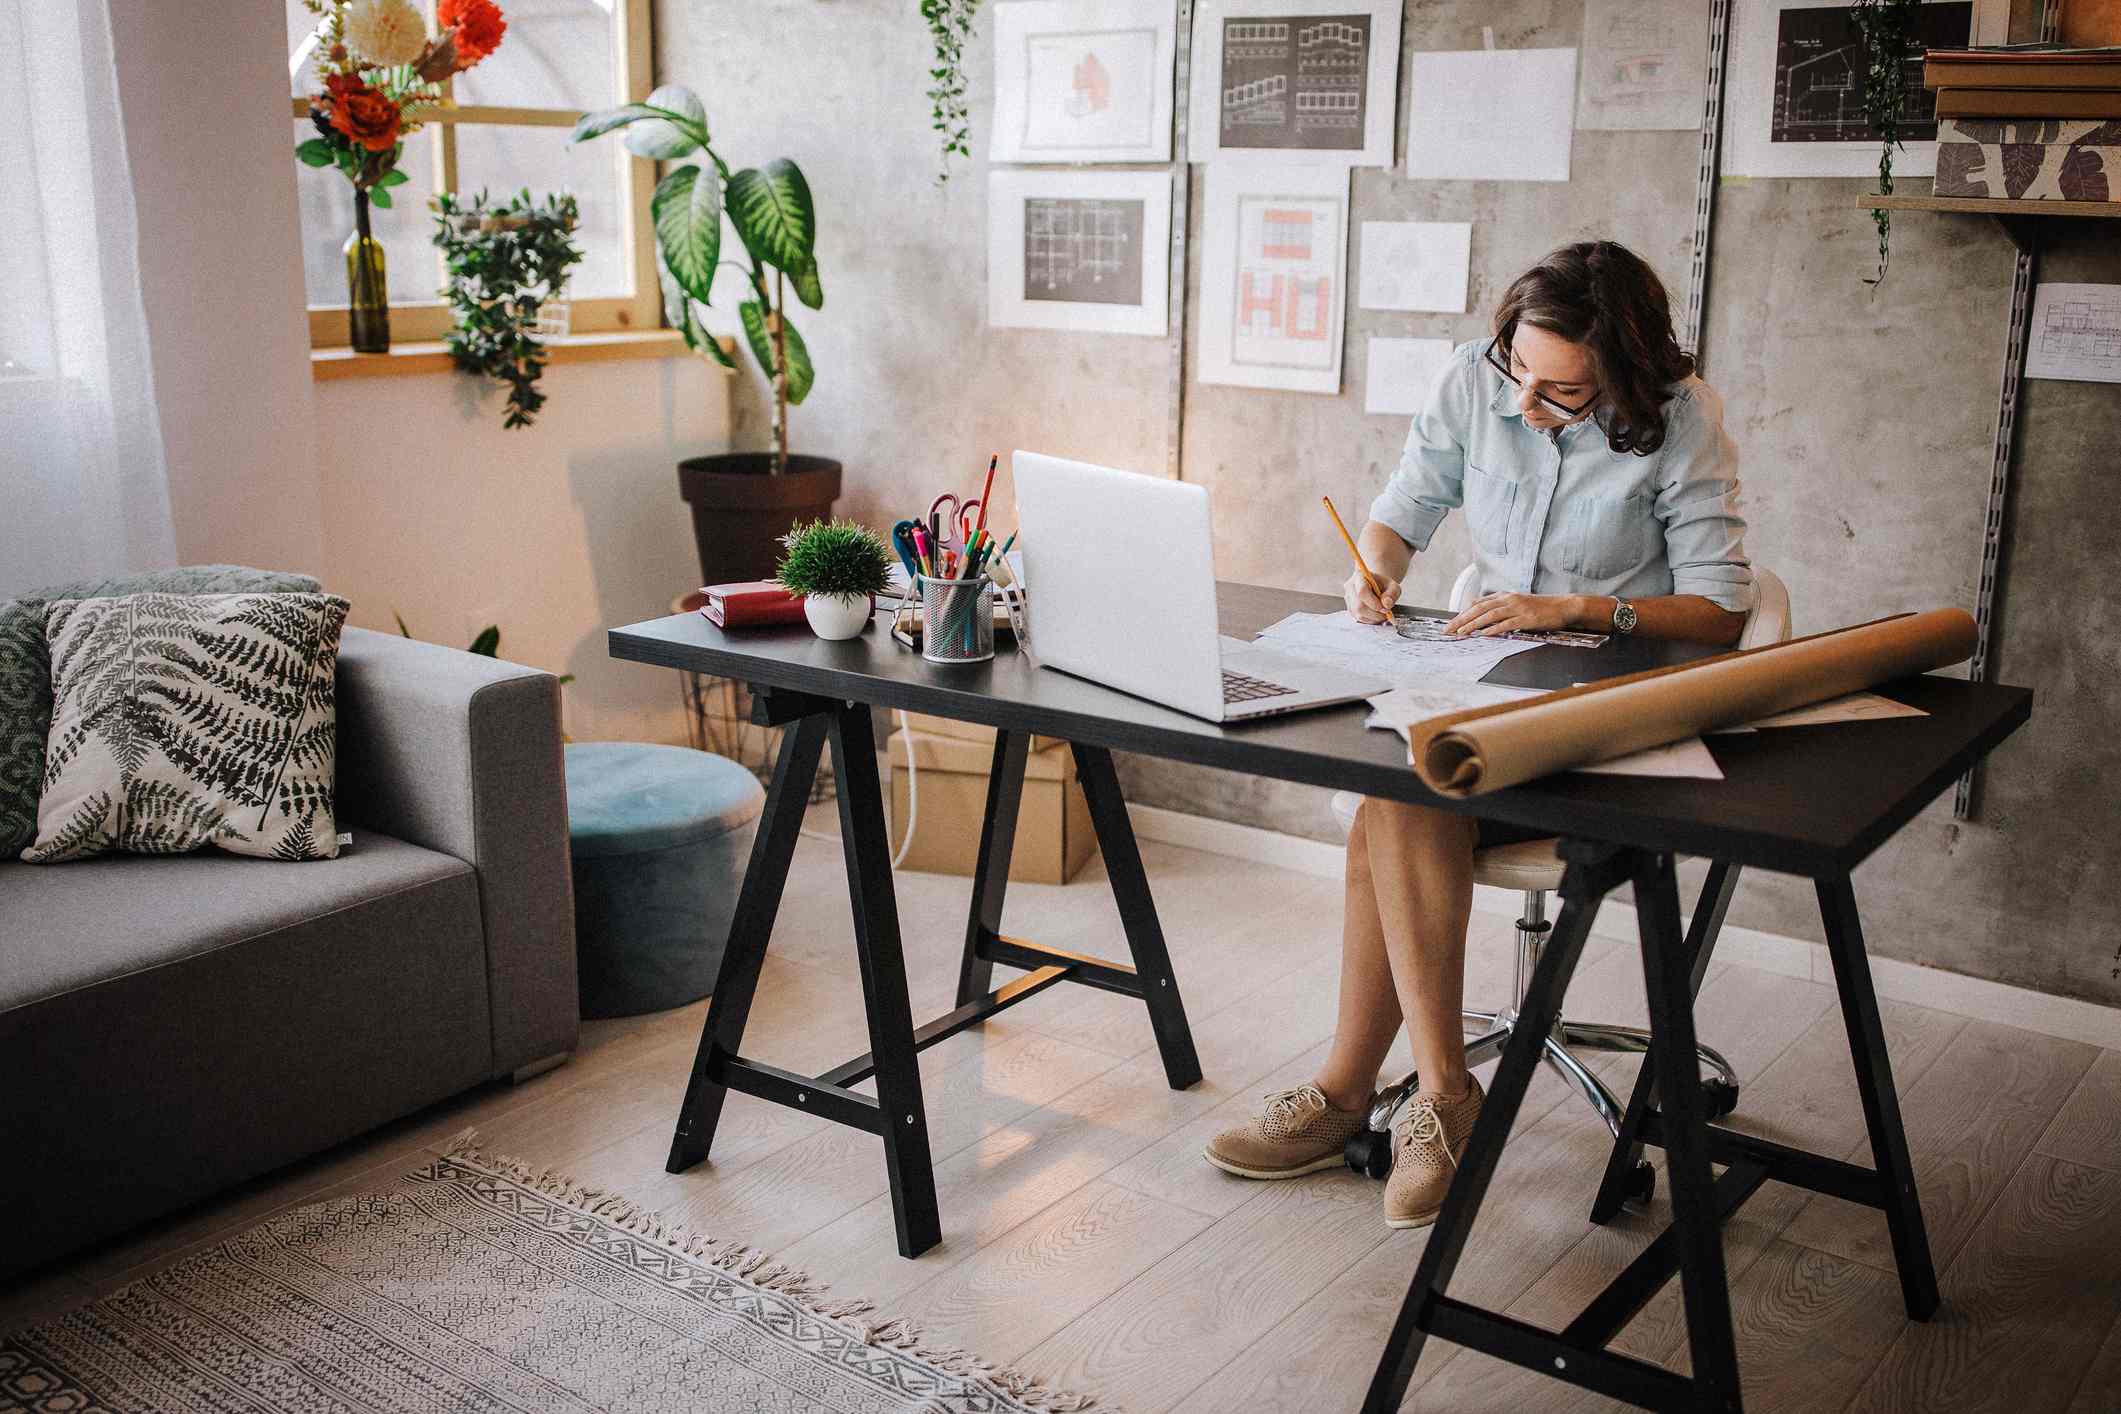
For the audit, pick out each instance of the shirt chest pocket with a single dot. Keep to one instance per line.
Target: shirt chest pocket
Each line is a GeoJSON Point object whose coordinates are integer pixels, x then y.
{"type": "Point", "coordinates": [1491, 501]}
{"type": "Point", "coordinates": [1609, 536]}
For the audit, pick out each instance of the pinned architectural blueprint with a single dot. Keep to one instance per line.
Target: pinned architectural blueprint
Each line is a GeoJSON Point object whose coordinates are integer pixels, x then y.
{"type": "Point", "coordinates": [1794, 87]}
{"type": "Point", "coordinates": [2076, 333]}
{"type": "Point", "coordinates": [1079, 250]}
{"type": "Point", "coordinates": [1645, 65]}
{"type": "Point", "coordinates": [1491, 115]}
{"type": "Point", "coordinates": [1295, 80]}
{"type": "Point", "coordinates": [1415, 265]}
{"type": "Point", "coordinates": [1400, 374]}
{"type": "Point", "coordinates": [1082, 81]}
{"type": "Point", "coordinates": [1273, 276]}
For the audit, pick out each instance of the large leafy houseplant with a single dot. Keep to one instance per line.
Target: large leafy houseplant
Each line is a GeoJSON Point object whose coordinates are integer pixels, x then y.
{"type": "Point", "coordinates": [774, 218]}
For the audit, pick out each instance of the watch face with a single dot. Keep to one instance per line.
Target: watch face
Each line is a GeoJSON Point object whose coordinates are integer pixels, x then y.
{"type": "Point", "coordinates": [1624, 616]}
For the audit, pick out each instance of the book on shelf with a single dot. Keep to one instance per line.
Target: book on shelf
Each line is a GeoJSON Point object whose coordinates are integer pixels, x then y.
{"type": "Point", "coordinates": [2092, 103]}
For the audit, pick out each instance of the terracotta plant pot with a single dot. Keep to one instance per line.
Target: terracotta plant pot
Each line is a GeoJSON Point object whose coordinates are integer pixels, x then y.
{"type": "Point", "coordinates": [740, 510]}
{"type": "Point", "coordinates": [838, 615]}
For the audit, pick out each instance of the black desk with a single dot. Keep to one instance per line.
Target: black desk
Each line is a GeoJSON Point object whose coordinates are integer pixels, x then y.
{"type": "Point", "coordinates": [1808, 801]}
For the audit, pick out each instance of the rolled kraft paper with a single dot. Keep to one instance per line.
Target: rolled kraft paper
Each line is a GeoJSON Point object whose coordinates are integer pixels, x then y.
{"type": "Point", "coordinates": [1489, 748]}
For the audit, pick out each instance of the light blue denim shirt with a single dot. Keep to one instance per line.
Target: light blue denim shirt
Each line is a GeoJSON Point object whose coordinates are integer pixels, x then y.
{"type": "Point", "coordinates": [1561, 512]}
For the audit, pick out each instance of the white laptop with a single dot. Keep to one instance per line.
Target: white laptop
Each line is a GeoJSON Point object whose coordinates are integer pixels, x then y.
{"type": "Point", "coordinates": [1120, 570]}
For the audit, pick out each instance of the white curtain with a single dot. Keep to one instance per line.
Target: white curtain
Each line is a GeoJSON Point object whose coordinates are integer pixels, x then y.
{"type": "Point", "coordinates": [83, 487]}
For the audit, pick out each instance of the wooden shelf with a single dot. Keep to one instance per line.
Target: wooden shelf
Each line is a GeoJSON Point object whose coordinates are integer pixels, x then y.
{"type": "Point", "coordinates": [425, 356]}
{"type": "Point", "coordinates": [1992, 206]}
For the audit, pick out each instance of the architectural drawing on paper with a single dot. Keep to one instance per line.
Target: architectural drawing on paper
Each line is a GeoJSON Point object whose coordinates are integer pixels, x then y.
{"type": "Point", "coordinates": [1082, 250]}
{"type": "Point", "coordinates": [1295, 81]}
{"type": "Point", "coordinates": [1645, 65]}
{"type": "Point", "coordinates": [1819, 64]}
{"type": "Point", "coordinates": [1094, 91]}
{"type": "Point", "coordinates": [1287, 296]}
{"type": "Point", "coordinates": [2076, 333]}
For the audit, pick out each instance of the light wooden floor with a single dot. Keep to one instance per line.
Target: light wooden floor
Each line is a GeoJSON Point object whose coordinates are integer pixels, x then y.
{"type": "Point", "coordinates": [1086, 1241]}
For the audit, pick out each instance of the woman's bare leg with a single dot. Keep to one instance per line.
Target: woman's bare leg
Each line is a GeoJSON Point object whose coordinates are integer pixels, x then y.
{"type": "Point", "coordinates": [1421, 874]}
{"type": "Point", "coordinates": [1369, 1005]}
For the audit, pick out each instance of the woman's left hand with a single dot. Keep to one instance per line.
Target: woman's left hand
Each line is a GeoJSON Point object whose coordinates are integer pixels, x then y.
{"type": "Point", "coordinates": [1492, 614]}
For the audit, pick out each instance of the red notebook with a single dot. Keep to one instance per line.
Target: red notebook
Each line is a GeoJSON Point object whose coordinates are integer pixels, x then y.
{"type": "Point", "coordinates": [755, 604]}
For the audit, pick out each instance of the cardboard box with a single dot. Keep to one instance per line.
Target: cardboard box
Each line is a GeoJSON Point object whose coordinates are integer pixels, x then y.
{"type": "Point", "coordinates": [1054, 838]}
{"type": "Point", "coordinates": [926, 725]}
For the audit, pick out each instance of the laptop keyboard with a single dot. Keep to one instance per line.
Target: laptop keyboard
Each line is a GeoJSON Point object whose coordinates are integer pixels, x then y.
{"type": "Point", "coordinates": [1238, 687]}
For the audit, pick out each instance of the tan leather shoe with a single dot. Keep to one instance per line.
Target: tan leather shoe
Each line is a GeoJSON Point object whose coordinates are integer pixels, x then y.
{"type": "Point", "coordinates": [1297, 1133]}
{"type": "Point", "coordinates": [1426, 1144]}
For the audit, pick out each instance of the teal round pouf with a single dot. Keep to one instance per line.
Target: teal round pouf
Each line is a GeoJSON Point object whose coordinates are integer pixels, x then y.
{"type": "Point", "coordinates": [661, 835]}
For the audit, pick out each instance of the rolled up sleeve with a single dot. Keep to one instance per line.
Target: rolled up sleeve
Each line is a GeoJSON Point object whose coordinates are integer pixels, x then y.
{"type": "Point", "coordinates": [1697, 502]}
{"type": "Point", "coordinates": [1430, 480]}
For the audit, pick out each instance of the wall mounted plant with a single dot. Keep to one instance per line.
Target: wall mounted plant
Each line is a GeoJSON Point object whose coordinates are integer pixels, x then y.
{"type": "Point", "coordinates": [505, 263]}
{"type": "Point", "coordinates": [1888, 30]}
{"type": "Point", "coordinates": [950, 27]}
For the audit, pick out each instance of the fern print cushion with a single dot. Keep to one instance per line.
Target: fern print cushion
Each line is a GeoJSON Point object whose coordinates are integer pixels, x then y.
{"type": "Point", "coordinates": [183, 720]}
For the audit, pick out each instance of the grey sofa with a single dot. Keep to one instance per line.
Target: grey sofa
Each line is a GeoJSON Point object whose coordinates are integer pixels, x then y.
{"type": "Point", "coordinates": [170, 1026]}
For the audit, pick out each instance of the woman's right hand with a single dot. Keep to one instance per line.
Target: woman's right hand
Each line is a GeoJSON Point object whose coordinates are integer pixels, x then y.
{"type": "Point", "coordinates": [1365, 604]}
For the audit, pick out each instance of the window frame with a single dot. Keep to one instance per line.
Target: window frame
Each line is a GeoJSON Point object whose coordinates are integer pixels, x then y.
{"type": "Point", "coordinates": [426, 320]}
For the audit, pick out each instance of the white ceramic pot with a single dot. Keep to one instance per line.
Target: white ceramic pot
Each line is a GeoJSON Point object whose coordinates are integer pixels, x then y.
{"type": "Point", "coordinates": [837, 615]}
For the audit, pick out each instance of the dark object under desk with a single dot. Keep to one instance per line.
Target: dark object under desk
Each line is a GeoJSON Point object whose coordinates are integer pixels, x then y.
{"type": "Point", "coordinates": [1812, 801]}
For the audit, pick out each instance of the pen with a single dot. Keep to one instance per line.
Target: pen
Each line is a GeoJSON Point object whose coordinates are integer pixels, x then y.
{"type": "Point", "coordinates": [1368, 578]}
{"type": "Point", "coordinates": [987, 490]}
{"type": "Point", "coordinates": [1007, 543]}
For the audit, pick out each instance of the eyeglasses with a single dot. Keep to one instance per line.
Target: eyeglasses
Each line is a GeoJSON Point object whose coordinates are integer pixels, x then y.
{"type": "Point", "coordinates": [1502, 366]}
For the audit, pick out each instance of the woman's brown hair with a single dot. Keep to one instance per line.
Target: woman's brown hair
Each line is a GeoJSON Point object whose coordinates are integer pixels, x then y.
{"type": "Point", "coordinates": [1603, 296]}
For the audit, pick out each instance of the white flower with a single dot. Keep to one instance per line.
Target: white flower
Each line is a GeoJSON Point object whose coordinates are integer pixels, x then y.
{"type": "Point", "coordinates": [385, 32]}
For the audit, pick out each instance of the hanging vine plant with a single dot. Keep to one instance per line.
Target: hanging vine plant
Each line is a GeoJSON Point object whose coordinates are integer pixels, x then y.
{"type": "Point", "coordinates": [950, 25]}
{"type": "Point", "coordinates": [1888, 30]}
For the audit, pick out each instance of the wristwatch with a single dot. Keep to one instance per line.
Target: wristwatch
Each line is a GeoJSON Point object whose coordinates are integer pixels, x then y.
{"type": "Point", "coordinates": [1623, 616]}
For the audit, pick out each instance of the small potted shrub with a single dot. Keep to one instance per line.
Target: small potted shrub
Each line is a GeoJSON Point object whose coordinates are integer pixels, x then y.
{"type": "Point", "coordinates": [838, 567]}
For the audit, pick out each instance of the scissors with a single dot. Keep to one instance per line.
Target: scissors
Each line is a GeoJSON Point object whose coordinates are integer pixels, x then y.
{"type": "Point", "coordinates": [902, 541]}
{"type": "Point", "coordinates": [963, 518]}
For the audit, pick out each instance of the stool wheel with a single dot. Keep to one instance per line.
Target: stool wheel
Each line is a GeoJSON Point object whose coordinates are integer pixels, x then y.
{"type": "Point", "coordinates": [1721, 1097]}
{"type": "Point", "coordinates": [1641, 1183]}
{"type": "Point", "coordinates": [1369, 1151]}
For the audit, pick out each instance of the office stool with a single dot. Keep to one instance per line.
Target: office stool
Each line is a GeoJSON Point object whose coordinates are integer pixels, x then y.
{"type": "Point", "coordinates": [1533, 868]}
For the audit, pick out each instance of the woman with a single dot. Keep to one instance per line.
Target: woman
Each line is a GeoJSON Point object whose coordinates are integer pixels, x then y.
{"type": "Point", "coordinates": [1599, 488]}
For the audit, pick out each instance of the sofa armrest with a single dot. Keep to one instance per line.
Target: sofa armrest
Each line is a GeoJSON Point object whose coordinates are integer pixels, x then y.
{"type": "Point", "coordinates": [462, 754]}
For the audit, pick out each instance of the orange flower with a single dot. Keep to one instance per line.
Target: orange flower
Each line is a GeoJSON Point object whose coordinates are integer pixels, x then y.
{"type": "Point", "coordinates": [478, 25]}
{"type": "Point", "coordinates": [367, 117]}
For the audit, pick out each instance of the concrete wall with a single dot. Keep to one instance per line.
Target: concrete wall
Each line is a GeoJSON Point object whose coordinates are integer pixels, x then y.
{"type": "Point", "coordinates": [554, 532]}
{"type": "Point", "coordinates": [1863, 416]}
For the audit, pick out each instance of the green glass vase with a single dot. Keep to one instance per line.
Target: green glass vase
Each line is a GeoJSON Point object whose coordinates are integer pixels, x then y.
{"type": "Point", "coordinates": [367, 289]}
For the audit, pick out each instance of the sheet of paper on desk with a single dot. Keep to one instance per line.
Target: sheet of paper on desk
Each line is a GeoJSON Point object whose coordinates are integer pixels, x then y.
{"type": "Point", "coordinates": [1402, 707]}
{"type": "Point", "coordinates": [1856, 707]}
{"type": "Point", "coordinates": [1380, 651]}
{"type": "Point", "coordinates": [1682, 760]}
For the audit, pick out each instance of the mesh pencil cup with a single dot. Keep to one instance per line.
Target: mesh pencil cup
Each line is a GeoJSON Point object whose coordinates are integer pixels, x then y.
{"type": "Point", "coordinates": [957, 619]}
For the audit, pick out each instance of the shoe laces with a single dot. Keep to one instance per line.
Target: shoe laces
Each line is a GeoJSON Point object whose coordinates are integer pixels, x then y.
{"type": "Point", "coordinates": [1423, 1129]}
{"type": "Point", "coordinates": [1289, 1110]}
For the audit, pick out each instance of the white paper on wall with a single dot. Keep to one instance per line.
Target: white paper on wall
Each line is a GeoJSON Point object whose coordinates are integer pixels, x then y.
{"type": "Point", "coordinates": [1793, 94]}
{"type": "Point", "coordinates": [1280, 81]}
{"type": "Point", "coordinates": [1415, 265]}
{"type": "Point", "coordinates": [2075, 334]}
{"type": "Point", "coordinates": [1273, 276]}
{"type": "Point", "coordinates": [1645, 65]}
{"type": "Point", "coordinates": [1491, 115]}
{"type": "Point", "coordinates": [1085, 250]}
{"type": "Point", "coordinates": [1401, 373]}
{"type": "Point", "coordinates": [1082, 81]}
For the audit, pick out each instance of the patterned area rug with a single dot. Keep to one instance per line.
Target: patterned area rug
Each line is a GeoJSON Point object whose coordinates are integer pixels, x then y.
{"type": "Point", "coordinates": [478, 1284]}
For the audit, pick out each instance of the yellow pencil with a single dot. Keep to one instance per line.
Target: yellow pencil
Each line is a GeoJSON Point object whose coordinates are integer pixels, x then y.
{"type": "Point", "coordinates": [1368, 578]}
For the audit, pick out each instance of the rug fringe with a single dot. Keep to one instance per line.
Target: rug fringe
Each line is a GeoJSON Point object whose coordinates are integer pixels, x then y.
{"type": "Point", "coordinates": [759, 1269]}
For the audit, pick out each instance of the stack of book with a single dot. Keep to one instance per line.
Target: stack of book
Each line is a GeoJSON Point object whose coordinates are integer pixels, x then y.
{"type": "Point", "coordinates": [2027, 122]}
